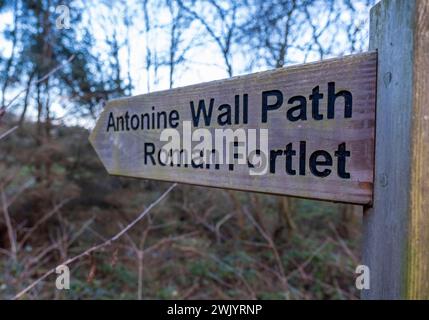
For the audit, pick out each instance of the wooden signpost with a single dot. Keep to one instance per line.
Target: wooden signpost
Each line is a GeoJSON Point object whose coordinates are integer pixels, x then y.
{"type": "Point", "coordinates": [306, 131]}
{"type": "Point", "coordinates": [318, 120]}
{"type": "Point", "coordinates": [396, 227]}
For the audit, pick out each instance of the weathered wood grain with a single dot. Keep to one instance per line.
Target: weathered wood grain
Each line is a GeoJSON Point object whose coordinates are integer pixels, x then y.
{"type": "Point", "coordinates": [418, 270]}
{"type": "Point", "coordinates": [396, 228]}
{"type": "Point", "coordinates": [122, 152]}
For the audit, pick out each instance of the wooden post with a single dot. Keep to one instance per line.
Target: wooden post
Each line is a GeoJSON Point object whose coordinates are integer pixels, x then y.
{"type": "Point", "coordinates": [396, 228]}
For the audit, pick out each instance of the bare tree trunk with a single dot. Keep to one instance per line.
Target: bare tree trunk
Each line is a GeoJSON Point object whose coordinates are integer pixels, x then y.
{"type": "Point", "coordinates": [14, 36]}
{"type": "Point", "coordinates": [148, 50]}
{"type": "Point", "coordinates": [27, 95]}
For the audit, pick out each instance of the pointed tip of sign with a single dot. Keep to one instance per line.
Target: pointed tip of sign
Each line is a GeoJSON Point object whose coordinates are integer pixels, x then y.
{"type": "Point", "coordinates": [91, 137]}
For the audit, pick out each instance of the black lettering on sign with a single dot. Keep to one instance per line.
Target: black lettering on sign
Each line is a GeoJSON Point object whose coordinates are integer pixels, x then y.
{"type": "Point", "coordinates": [315, 162]}
{"type": "Point", "coordinates": [135, 122]}
{"type": "Point", "coordinates": [277, 94]}
{"type": "Point", "coordinates": [342, 153]}
{"type": "Point", "coordinates": [224, 117]}
{"type": "Point", "coordinates": [315, 97]}
{"type": "Point", "coordinates": [302, 157]}
{"type": "Point", "coordinates": [202, 109]}
{"type": "Point", "coordinates": [111, 122]}
{"type": "Point", "coordinates": [332, 96]}
{"type": "Point", "coordinates": [173, 119]}
{"type": "Point", "coordinates": [143, 121]}
{"type": "Point", "coordinates": [300, 109]}
{"type": "Point", "coordinates": [245, 108]}
{"type": "Point", "coordinates": [273, 156]}
{"type": "Point", "coordinates": [149, 150]}
{"type": "Point", "coordinates": [289, 153]}
{"type": "Point", "coordinates": [299, 119]}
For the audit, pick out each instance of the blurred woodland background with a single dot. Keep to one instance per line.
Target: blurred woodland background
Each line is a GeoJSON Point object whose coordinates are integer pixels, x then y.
{"type": "Point", "coordinates": [61, 60]}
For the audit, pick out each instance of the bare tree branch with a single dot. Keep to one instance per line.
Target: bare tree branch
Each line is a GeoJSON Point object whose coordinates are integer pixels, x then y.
{"type": "Point", "coordinates": [8, 132]}
{"type": "Point", "coordinates": [99, 246]}
{"type": "Point", "coordinates": [46, 76]}
{"type": "Point", "coordinates": [10, 230]}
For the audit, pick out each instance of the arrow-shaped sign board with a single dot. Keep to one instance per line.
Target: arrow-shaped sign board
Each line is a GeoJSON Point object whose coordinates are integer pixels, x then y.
{"type": "Point", "coordinates": [305, 131]}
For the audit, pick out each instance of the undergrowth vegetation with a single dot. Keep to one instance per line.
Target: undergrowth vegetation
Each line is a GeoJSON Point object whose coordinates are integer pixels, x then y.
{"type": "Point", "coordinates": [199, 243]}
